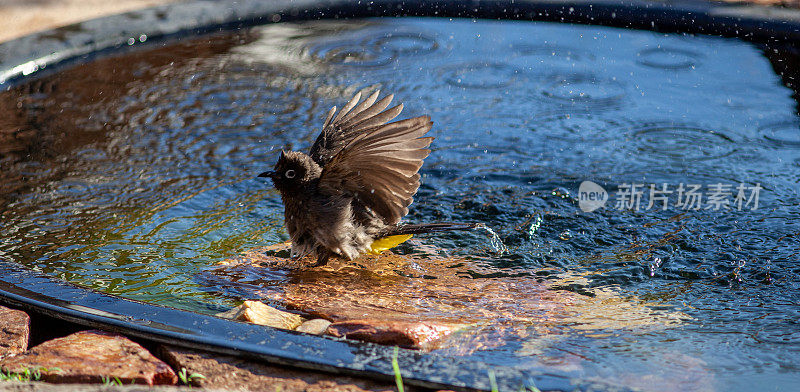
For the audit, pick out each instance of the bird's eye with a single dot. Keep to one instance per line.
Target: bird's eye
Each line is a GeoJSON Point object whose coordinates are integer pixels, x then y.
{"type": "Point", "coordinates": [289, 173]}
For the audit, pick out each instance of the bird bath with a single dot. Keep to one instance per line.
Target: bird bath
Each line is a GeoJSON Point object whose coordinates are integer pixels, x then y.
{"type": "Point", "coordinates": [132, 174]}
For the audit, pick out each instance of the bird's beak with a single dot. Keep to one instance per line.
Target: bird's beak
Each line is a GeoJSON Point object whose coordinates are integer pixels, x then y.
{"type": "Point", "coordinates": [269, 174]}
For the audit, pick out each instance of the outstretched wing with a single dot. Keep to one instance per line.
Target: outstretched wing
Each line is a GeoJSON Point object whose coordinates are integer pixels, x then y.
{"type": "Point", "coordinates": [340, 128]}
{"type": "Point", "coordinates": [379, 166]}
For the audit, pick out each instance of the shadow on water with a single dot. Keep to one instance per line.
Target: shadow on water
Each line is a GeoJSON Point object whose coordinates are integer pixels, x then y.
{"type": "Point", "coordinates": [134, 175]}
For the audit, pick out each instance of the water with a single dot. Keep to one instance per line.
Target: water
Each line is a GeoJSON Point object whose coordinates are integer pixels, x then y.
{"type": "Point", "coordinates": [134, 175]}
{"type": "Point", "coordinates": [494, 240]}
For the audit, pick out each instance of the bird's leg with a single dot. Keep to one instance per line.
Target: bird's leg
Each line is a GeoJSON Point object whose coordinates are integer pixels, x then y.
{"type": "Point", "coordinates": [322, 256]}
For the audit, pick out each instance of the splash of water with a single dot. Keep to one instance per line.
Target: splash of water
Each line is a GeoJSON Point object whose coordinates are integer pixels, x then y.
{"type": "Point", "coordinates": [654, 265]}
{"type": "Point", "coordinates": [535, 225]}
{"type": "Point", "coordinates": [495, 241]}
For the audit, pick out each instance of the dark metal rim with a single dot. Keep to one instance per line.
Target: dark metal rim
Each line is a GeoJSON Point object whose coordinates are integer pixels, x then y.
{"type": "Point", "coordinates": [25, 58]}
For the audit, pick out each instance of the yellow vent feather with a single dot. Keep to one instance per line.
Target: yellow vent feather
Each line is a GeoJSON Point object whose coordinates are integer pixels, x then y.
{"type": "Point", "coordinates": [387, 243]}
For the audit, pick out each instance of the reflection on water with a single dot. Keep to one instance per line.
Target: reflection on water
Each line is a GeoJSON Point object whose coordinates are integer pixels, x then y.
{"type": "Point", "coordinates": [134, 175]}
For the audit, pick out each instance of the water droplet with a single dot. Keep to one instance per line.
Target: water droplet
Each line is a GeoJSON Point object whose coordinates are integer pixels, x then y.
{"type": "Point", "coordinates": [494, 240]}
{"type": "Point", "coordinates": [560, 192]}
{"type": "Point", "coordinates": [536, 223]}
{"type": "Point", "coordinates": [654, 264]}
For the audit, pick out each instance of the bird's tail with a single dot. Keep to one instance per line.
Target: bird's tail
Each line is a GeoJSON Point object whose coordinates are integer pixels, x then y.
{"type": "Point", "coordinates": [401, 233]}
{"type": "Point", "coordinates": [423, 228]}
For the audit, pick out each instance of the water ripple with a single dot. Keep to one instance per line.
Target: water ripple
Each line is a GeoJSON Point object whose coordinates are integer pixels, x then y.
{"type": "Point", "coordinates": [586, 90]}
{"type": "Point", "coordinates": [553, 52]}
{"type": "Point", "coordinates": [580, 126]}
{"type": "Point", "coordinates": [783, 134]}
{"type": "Point", "coordinates": [481, 75]}
{"type": "Point", "coordinates": [353, 54]}
{"type": "Point", "coordinates": [407, 43]}
{"type": "Point", "coordinates": [669, 58]}
{"type": "Point", "coordinates": [374, 51]}
{"type": "Point", "coordinates": [681, 142]}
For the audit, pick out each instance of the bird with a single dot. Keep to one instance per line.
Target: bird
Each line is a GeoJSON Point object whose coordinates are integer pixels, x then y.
{"type": "Point", "coordinates": [348, 194]}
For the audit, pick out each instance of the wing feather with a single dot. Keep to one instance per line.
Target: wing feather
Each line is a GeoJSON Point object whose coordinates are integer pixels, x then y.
{"type": "Point", "coordinates": [362, 108]}
{"type": "Point", "coordinates": [379, 165]}
{"type": "Point", "coordinates": [354, 119]}
{"type": "Point", "coordinates": [373, 120]}
{"type": "Point", "coordinates": [329, 117]}
{"type": "Point", "coordinates": [347, 107]}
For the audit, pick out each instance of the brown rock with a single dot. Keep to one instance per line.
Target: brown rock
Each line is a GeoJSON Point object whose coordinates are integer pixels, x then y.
{"type": "Point", "coordinates": [314, 327]}
{"type": "Point", "coordinates": [411, 294]}
{"type": "Point", "coordinates": [416, 290]}
{"type": "Point", "coordinates": [405, 334]}
{"type": "Point", "coordinates": [395, 299]}
{"type": "Point", "coordinates": [230, 373]}
{"type": "Point", "coordinates": [14, 331]}
{"type": "Point", "coordinates": [91, 356]}
{"type": "Point", "coordinates": [262, 314]}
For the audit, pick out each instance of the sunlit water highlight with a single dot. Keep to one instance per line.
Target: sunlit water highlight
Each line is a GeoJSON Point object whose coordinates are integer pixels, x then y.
{"type": "Point", "coordinates": [134, 175]}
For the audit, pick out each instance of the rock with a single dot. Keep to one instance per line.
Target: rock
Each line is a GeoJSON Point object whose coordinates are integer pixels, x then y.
{"type": "Point", "coordinates": [230, 314]}
{"type": "Point", "coordinates": [429, 296]}
{"type": "Point", "coordinates": [14, 331]}
{"type": "Point", "coordinates": [395, 299]}
{"type": "Point", "coordinates": [230, 373]}
{"type": "Point", "coordinates": [262, 314]}
{"type": "Point", "coordinates": [92, 356]}
{"type": "Point", "coordinates": [405, 334]}
{"type": "Point", "coordinates": [314, 327]}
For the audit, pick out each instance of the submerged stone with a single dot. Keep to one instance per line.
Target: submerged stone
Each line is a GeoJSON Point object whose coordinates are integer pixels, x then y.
{"type": "Point", "coordinates": [14, 331]}
{"type": "Point", "coordinates": [262, 314]}
{"type": "Point", "coordinates": [314, 327]}
{"type": "Point", "coordinates": [92, 357]}
{"type": "Point", "coordinates": [421, 300]}
{"type": "Point", "coordinates": [406, 334]}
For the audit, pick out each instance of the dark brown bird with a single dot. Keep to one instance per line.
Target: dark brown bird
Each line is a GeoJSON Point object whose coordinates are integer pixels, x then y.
{"type": "Point", "coordinates": [349, 193]}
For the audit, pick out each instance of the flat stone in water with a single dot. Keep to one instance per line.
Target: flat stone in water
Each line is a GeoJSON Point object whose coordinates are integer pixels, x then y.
{"type": "Point", "coordinates": [418, 301]}
{"type": "Point", "coordinates": [314, 327]}
{"type": "Point", "coordinates": [262, 314]}
{"type": "Point", "coordinates": [14, 331]}
{"type": "Point", "coordinates": [406, 334]}
{"type": "Point", "coordinates": [91, 357]}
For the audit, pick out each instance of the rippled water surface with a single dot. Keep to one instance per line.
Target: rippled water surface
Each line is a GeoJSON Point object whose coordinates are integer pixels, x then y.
{"type": "Point", "coordinates": [135, 175]}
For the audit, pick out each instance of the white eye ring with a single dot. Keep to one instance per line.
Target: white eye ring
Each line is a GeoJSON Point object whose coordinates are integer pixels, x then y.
{"type": "Point", "coordinates": [289, 173]}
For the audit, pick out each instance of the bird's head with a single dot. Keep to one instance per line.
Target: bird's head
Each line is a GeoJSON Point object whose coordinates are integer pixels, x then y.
{"type": "Point", "coordinates": [293, 171]}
